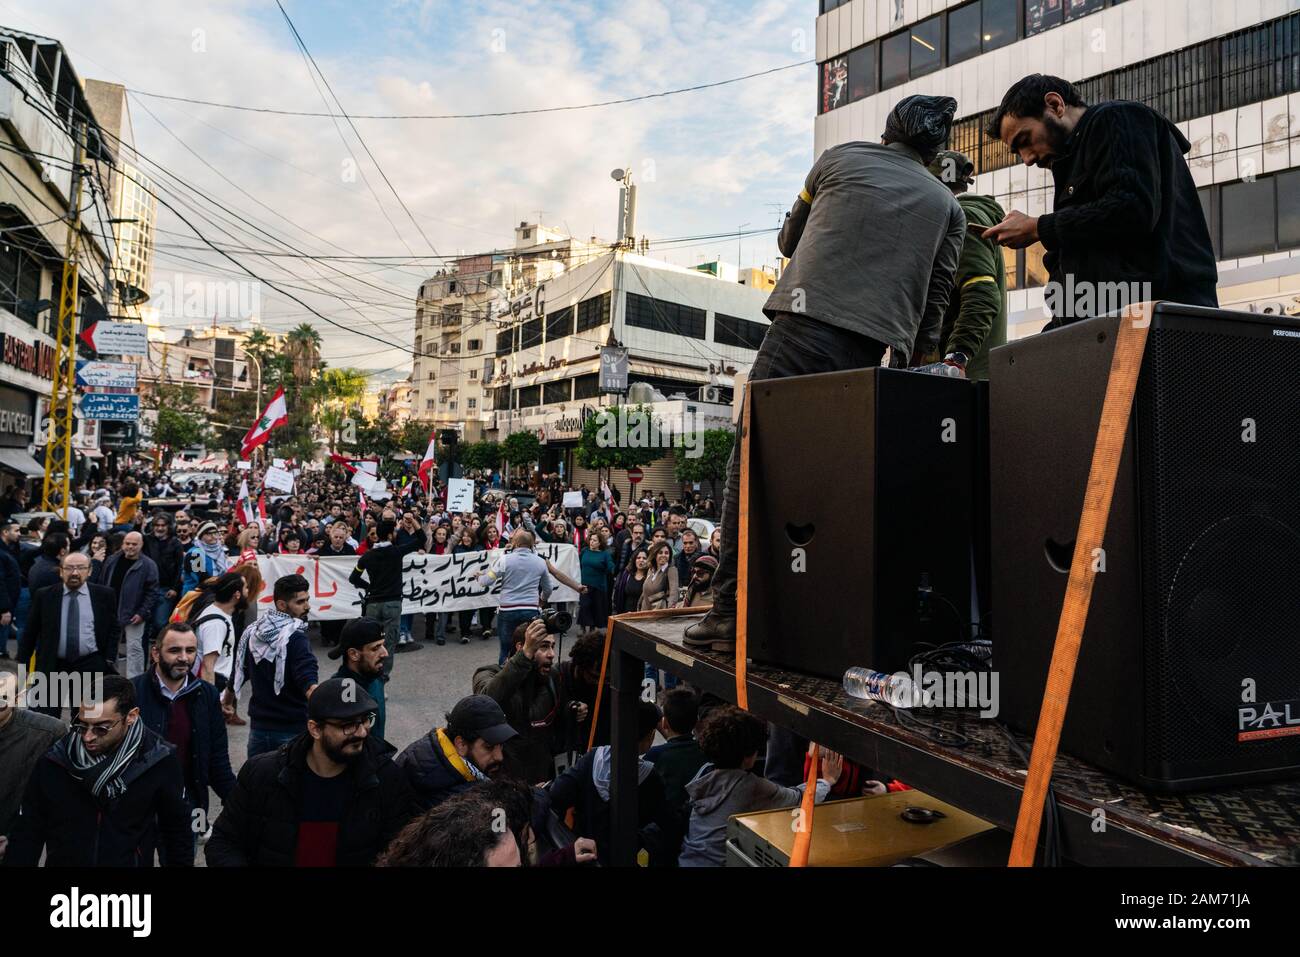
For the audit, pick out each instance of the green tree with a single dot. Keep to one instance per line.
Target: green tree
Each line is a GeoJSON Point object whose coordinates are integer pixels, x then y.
{"type": "Point", "coordinates": [235, 412]}
{"type": "Point", "coordinates": [375, 438]}
{"type": "Point", "coordinates": [415, 436]}
{"type": "Point", "coordinates": [480, 455]}
{"type": "Point", "coordinates": [521, 448]}
{"type": "Point", "coordinates": [179, 420]}
{"type": "Point", "coordinates": [711, 465]}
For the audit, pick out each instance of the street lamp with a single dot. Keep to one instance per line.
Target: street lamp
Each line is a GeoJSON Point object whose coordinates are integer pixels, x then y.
{"type": "Point", "coordinates": [249, 357]}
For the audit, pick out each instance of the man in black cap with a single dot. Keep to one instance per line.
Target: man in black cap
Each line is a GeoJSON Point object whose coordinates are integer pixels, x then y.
{"type": "Point", "coordinates": [449, 760]}
{"type": "Point", "coordinates": [873, 241]}
{"type": "Point", "coordinates": [361, 646]}
{"type": "Point", "coordinates": [330, 797]}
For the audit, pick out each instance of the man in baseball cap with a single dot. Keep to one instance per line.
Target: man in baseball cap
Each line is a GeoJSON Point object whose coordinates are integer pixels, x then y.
{"type": "Point", "coordinates": [361, 646]}
{"type": "Point", "coordinates": [449, 760]}
{"type": "Point", "coordinates": [328, 798]}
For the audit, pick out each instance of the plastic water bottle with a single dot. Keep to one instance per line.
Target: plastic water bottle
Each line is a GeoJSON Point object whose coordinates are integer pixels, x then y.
{"type": "Point", "coordinates": [941, 368]}
{"type": "Point", "coordinates": [898, 690]}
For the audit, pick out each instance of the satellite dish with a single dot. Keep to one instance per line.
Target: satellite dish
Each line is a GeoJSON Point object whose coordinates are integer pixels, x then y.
{"type": "Point", "coordinates": [617, 174]}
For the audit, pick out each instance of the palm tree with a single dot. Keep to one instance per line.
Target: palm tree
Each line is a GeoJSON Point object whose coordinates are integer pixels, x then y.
{"type": "Point", "coordinates": [261, 346]}
{"type": "Point", "coordinates": [303, 345]}
{"type": "Point", "coordinates": [337, 393]}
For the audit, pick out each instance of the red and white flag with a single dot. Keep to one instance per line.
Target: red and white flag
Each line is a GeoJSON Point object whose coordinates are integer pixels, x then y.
{"type": "Point", "coordinates": [275, 415]}
{"type": "Point", "coordinates": [501, 517]}
{"type": "Point", "coordinates": [244, 510]}
{"type": "Point", "coordinates": [430, 461]}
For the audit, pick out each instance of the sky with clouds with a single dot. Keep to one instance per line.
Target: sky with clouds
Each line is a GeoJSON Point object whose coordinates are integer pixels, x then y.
{"type": "Point", "coordinates": [706, 162]}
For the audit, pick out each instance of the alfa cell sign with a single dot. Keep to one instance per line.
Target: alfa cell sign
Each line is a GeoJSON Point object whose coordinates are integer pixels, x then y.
{"type": "Point", "coordinates": [105, 375]}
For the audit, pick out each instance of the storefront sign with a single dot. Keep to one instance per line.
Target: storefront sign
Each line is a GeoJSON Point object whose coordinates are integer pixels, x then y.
{"type": "Point", "coordinates": [35, 358]}
{"type": "Point", "coordinates": [17, 418]}
{"type": "Point", "coordinates": [112, 407]}
{"type": "Point", "coordinates": [613, 369]}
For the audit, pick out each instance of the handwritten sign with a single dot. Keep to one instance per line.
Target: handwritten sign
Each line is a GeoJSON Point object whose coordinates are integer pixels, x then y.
{"type": "Point", "coordinates": [430, 583]}
{"type": "Point", "coordinates": [244, 466]}
{"type": "Point", "coordinates": [278, 479]}
{"type": "Point", "coordinates": [573, 499]}
{"type": "Point", "coordinates": [460, 495]}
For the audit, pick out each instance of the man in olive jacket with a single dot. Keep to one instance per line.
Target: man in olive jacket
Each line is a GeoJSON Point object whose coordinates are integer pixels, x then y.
{"type": "Point", "coordinates": [873, 241]}
{"type": "Point", "coordinates": [976, 318]}
{"type": "Point", "coordinates": [533, 700]}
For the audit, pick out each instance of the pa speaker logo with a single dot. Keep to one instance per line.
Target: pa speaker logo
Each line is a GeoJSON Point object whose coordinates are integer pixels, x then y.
{"type": "Point", "coordinates": [1268, 719]}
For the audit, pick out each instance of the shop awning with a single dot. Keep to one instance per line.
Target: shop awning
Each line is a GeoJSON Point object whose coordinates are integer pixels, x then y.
{"type": "Point", "coordinates": [17, 460]}
{"type": "Point", "coordinates": [91, 453]}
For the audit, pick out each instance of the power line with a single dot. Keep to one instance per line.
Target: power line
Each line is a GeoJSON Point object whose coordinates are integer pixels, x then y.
{"type": "Point", "coordinates": [355, 131]}
{"type": "Point", "coordinates": [476, 116]}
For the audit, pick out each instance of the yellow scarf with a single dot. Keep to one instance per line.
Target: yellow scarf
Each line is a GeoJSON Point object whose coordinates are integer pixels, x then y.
{"type": "Point", "coordinates": [449, 750]}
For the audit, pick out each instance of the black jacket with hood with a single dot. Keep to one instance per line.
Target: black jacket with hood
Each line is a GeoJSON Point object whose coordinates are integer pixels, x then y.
{"type": "Point", "coordinates": [429, 772]}
{"type": "Point", "coordinates": [1126, 211]}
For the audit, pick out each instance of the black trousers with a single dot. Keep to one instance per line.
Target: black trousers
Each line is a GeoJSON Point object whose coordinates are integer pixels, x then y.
{"type": "Point", "coordinates": [794, 345]}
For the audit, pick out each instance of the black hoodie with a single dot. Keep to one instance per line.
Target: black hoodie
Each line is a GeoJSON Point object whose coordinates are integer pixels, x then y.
{"type": "Point", "coordinates": [1126, 211]}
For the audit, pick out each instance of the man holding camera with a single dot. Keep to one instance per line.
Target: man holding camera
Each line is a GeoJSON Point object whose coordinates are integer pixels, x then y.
{"type": "Point", "coordinates": [533, 701]}
{"type": "Point", "coordinates": [525, 583]}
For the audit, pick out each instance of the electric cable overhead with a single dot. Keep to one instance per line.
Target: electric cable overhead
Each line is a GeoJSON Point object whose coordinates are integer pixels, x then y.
{"type": "Point", "coordinates": [475, 116]}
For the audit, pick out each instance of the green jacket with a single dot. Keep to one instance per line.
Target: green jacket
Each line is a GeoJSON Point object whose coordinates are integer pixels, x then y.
{"type": "Point", "coordinates": [976, 318]}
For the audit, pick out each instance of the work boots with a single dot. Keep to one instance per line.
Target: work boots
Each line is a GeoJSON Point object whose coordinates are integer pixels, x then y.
{"type": "Point", "coordinates": [717, 632]}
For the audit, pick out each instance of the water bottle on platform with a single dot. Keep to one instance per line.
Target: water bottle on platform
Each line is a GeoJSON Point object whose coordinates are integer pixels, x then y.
{"type": "Point", "coordinates": [941, 368]}
{"type": "Point", "coordinates": [897, 690]}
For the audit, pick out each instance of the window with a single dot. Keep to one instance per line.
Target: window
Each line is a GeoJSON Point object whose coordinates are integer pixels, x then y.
{"type": "Point", "coordinates": [671, 317]}
{"type": "Point", "coordinates": [474, 345]}
{"type": "Point", "coordinates": [501, 397]}
{"type": "Point", "coordinates": [999, 24]}
{"type": "Point", "coordinates": [471, 403]}
{"type": "Point", "coordinates": [894, 59]}
{"type": "Point", "coordinates": [428, 403]}
{"type": "Point", "coordinates": [1041, 15]}
{"type": "Point", "coordinates": [530, 397]}
{"type": "Point", "coordinates": [586, 386]}
{"type": "Point", "coordinates": [1011, 267]}
{"type": "Point", "coordinates": [527, 234]}
{"type": "Point", "coordinates": [732, 331]}
{"type": "Point", "coordinates": [593, 312]}
{"type": "Point", "coordinates": [1074, 9]}
{"type": "Point", "coordinates": [505, 339]}
{"type": "Point", "coordinates": [925, 48]}
{"type": "Point", "coordinates": [1288, 209]}
{"type": "Point", "coordinates": [862, 72]}
{"type": "Point", "coordinates": [1248, 213]}
{"type": "Point", "coordinates": [964, 32]}
{"type": "Point", "coordinates": [1035, 271]}
{"type": "Point", "coordinates": [558, 391]}
{"type": "Point", "coordinates": [473, 375]}
{"type": "Point", "coordinates": [559, 324]}
{"type": "Point", "coordinates": [530, 334]}
{"type": "Point", "coordinates": [835, 84]}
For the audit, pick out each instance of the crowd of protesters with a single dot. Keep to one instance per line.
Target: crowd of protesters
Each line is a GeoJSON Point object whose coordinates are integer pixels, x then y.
{"type": "Point", "coordinates": [156, 597]}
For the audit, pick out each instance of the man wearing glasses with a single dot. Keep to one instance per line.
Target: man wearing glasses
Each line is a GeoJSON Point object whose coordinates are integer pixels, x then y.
{"type": "Point", "coordinates": [331, 797]}
{"type": "Point", "coordinates": [98, 796]}
{"type": "Point", "coordinates": [72, 628]}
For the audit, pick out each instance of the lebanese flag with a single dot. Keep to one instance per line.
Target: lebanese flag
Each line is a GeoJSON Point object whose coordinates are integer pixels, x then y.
{"type": "Point", "coordinates": [501, 517]}
{"type": "Point", "coordinates": [244, 513]}
{"type": "Point", "coordinates": [275, 415]}
{"type": "Point", "coordinates": [429, 462]}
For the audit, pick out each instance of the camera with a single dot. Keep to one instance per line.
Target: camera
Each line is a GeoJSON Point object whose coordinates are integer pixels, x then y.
{"type": "Point", "coordinates": [557, 622]}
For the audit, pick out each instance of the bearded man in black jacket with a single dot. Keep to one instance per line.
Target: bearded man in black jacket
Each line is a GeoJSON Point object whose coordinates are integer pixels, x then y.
{"type": "Point", "coordinates": [1126, 210]}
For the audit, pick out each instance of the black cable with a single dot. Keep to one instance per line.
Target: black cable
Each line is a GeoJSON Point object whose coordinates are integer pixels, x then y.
{"type": "Point", "coordinates": [475, 116]}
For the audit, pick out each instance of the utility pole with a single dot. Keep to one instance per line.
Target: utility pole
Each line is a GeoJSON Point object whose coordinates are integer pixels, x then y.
{"type": "Point", "coordinates": [56, 491]}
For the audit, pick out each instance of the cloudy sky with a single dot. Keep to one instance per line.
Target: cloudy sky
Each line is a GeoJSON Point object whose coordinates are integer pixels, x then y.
{"type": "Point", "coordinates": [706, 161]}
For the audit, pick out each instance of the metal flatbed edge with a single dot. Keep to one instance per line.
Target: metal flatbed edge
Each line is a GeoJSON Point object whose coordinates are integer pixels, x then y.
{"type": "Point", "coordinates": [986, 780]}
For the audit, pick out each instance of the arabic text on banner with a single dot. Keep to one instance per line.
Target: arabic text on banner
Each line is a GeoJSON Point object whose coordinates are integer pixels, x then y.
{"type": "Point", "coordinates": [430, 583]}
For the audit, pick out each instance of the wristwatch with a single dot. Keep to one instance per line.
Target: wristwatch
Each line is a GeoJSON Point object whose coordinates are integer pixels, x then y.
{"type": "Point", "coordinates": [957, 359]}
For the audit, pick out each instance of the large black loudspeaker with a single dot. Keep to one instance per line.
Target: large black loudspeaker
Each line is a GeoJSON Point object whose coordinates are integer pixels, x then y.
{"type": "Point", "coordinates": [860, 485]}
{"type": "Point", "coordinates": [1189, 674]}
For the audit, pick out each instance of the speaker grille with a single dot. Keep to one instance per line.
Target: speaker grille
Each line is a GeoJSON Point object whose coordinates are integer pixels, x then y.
{"type": "Point", "coordinates": [1221, 539]}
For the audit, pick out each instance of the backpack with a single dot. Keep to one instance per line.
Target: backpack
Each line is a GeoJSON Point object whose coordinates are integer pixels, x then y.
{"type": "Point", "coordinates": [227, 643]}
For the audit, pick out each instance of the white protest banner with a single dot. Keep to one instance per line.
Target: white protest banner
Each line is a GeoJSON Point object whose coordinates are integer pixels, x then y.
{"type": "Point", "coordinates": [278, 479]}
{"type": "Point", "coordinates": [573, 499]}
{"type": "Point", "coordinates": [365, 465]}
{"type": "Point", "coordinates": [460, 495]}
{"type": "Point", "coordinates": [243, 466]}
{"type": "Point", "coordinates": [430, 583]}
{"type": "Point", "coordinates": [278, 463]}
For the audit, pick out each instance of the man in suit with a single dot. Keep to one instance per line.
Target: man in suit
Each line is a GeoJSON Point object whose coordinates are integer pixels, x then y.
{"type": "Point", "coordinates": [72, 627]}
